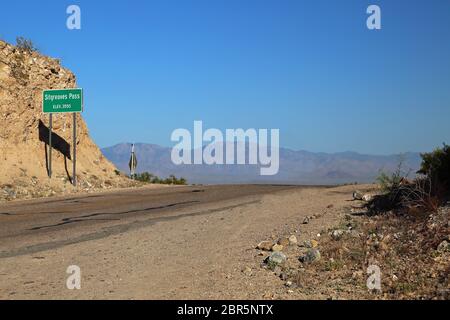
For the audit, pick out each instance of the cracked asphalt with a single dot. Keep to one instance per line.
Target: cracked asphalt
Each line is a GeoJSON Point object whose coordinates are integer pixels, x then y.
{"type": "Point", "coordinates": [28, 227]}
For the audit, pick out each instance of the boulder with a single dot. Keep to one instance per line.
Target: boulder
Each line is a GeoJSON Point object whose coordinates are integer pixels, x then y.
{"type": "Point", "coordinates": [311, 256]}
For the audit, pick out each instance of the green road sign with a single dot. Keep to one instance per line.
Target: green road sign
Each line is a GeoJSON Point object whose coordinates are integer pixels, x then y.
{"type": "Point", "coordinates": [62, 101]}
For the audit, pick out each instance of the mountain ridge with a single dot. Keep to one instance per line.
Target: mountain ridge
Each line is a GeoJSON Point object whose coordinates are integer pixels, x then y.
{"type": "Point", "coordinates": [296, 167]}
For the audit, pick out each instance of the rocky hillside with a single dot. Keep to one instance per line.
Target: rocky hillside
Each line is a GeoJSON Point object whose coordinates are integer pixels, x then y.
{"type": "Point", "coordinates": [23, 151]}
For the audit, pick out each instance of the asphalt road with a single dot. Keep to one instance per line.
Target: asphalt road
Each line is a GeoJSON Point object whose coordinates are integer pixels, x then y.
{"type": "Point", "coordinates": [29, 227]}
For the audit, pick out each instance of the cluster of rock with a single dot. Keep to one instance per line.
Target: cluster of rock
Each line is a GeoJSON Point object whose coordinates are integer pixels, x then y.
{"type": "Point", "coordinates": [279, 245]}
{"type": "Point", "coordinates": [289, 258]}
{"type": "Point", "coordinates": [278, 256]}
{"type": "Point", "coordinates": [408, 250]}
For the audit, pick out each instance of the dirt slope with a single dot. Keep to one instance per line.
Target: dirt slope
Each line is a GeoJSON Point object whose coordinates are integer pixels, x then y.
{"type": "Point", "coordinates": [23, 169]}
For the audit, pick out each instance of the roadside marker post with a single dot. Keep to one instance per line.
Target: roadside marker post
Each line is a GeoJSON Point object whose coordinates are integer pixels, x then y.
{"type": "Point", "coordinates": [50, 126]}
{"type": "Point", "coordinates": [133, 163]}
{"type": "Point", "coordinates": [74, 160]}
{"type": "Point", "coordinates": [63, 101]}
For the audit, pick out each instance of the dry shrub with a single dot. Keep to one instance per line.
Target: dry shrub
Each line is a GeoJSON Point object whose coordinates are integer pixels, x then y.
{"type": "Point", "coordinates": [424, 194]}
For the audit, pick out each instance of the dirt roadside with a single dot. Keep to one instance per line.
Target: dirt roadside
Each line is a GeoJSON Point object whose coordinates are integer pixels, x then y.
{"type": "Point", "coordinates": [194, 257]}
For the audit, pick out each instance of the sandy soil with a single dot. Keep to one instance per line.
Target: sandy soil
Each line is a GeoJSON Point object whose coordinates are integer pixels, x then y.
{"type": "Point", "coordinates": [193, 257]}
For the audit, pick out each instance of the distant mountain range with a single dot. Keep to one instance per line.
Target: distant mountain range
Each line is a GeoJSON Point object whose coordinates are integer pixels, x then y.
{"type": "Point", "coordinates": [296, 167]}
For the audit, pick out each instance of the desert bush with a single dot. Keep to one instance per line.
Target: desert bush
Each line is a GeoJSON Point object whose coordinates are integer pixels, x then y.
{"type": "Point", "coordinates": [174, 180]}
{"type": "Point", "coordinates": [148, 177]}
{"type": "Point", "coordinates": [25, 44]}
{"type": "Point", "coordinates": [436, 166]}
{"type": "Point", "coordinates": [418, 196]}
{"type": "Point", "coordinates": [423, 194]}
{"type": "Point", "coordinates": [389, 182]}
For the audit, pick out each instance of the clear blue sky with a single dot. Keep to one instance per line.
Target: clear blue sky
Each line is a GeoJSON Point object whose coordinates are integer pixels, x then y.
{"type": "Point", "coordinates": [310, 68]}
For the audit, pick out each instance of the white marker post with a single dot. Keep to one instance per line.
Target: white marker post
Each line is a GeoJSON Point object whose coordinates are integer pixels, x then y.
{"type": "Point", "coordinates": [133, 163]}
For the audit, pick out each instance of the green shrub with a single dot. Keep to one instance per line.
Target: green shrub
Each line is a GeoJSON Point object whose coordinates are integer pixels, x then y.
{"type": "Point", "coordinates": [423, 194]}
{"type": "Point", "coordinates": [390, 182]}
{"type": "Point", "coordinates": [151, 178]}
{"type": "Point", "coordinates": [436, 166]}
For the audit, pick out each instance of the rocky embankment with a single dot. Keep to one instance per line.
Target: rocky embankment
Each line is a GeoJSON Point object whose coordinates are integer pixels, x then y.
{"type": "Point", "coordinates": [412, 254]}
{"type": "Point", "coordinates": [23, 132]}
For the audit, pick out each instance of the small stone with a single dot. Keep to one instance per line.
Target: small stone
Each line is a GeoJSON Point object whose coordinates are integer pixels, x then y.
{"type": "Point", "coordinates": [267, 296]}
{"type": "Point", "coordinates": [310, 244]}
{"type": "Point", "coordinates": [289, 284]}
{"type": "Point", "coordinates": [357, 195]}
{"type": "Point", "coordinates": [311, 256]}
{"type": "Point", "coordinates": [277, 271]}
{"type": "Point", "coordinates": [293, 240]}
{"type": "Point", "coordinates": [283, 242]}
{"type": "Point", "coordinates": [247, 271]}
{"type": "Point", "coordinates": [337, 234]}
{"type": "Point", "coordinates": [265, 245]}
{"type": "Point", "coordinates": [306, 220]}
{"type": "Point", "coordinates": [277, 248]}
{"type": "Point", "coordinates": [262, 254]}
{"type": "Point", "coordinates": [394, 278]}
{"type": "Point", "coordinates": [444, 246]}
{"type": "Point", "coordinates": [277, 258]}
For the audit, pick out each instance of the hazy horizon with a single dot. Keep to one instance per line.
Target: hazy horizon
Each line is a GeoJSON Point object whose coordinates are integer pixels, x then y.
{"type": "Point", "coordinates": [281, 147]}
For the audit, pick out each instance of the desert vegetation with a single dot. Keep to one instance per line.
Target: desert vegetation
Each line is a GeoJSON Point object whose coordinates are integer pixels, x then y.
{"type": "Point", "coordinates": [425, 193]}
{"type": "Point", "coordinates": [151, 178]}
{"type": "Point", "coordinates": [25, 44]}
